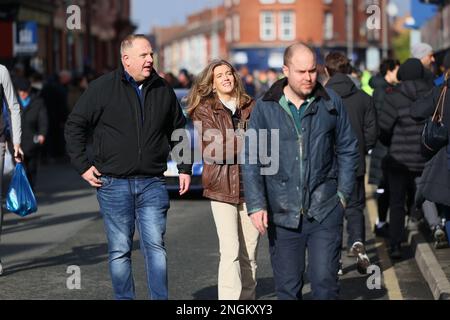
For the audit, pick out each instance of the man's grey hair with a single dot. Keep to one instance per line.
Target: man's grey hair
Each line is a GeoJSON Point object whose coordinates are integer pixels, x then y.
{"type": "Point", "coordinates": [289, 52]}
{"type": "Point", "coordinates": [128, 41]}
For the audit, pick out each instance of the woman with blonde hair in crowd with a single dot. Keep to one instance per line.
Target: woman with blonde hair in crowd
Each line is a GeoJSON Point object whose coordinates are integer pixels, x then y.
{"type": "Point", "coordinates": [220, 108]}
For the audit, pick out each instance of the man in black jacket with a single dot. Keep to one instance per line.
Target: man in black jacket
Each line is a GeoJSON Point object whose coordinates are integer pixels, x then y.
{"type": "Point", "coordinates": [133, 113]}
{"type": "Point", "coordinates": [361, 111]}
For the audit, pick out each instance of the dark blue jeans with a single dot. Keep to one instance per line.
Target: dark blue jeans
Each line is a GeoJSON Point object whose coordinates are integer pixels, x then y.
{"type": "Point", "coordinates": [288, 248]}
{"type": "Point", "coordinates": [124, 203]}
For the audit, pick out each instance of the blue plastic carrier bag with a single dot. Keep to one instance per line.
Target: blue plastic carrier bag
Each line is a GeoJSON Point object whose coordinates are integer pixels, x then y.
{"type": "Point", "coordinates": [20, 197]}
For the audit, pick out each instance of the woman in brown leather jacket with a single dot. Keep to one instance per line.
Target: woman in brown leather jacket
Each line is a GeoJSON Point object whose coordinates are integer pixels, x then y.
{"type": "Point", "coordinates": [221, 109]}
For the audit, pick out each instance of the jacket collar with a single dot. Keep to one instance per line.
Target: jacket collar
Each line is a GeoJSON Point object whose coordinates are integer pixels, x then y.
{"type": "Point", "coordinates": [276, 91]}
{"type": "Point", "coordinates": [123, 76]}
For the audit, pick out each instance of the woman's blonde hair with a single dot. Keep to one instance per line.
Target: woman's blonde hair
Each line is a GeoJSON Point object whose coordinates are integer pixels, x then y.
{"type": "Point", "coordinates": [202, 91]}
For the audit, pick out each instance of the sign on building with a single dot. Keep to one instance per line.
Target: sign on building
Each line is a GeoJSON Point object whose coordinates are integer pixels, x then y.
{"type": "Point", "coordinates": [25, 38]}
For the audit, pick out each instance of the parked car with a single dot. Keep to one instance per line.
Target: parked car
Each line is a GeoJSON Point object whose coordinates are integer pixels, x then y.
{"type": "Point", "coordinates": [171, 173]}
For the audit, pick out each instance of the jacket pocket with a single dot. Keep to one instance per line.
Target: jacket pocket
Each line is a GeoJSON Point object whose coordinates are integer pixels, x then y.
{"type": "Point", "coordinates": [324, 198]}
{"type": "Point", "coordinates": [277, 191]}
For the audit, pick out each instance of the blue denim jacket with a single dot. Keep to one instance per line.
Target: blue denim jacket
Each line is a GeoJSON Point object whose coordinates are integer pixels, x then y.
{"type": "Point", "coordinates": [315, 165]}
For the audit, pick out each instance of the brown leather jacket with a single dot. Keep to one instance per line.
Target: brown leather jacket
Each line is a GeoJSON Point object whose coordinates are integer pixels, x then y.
{"type": "Point", "coordinates": [220, 152]}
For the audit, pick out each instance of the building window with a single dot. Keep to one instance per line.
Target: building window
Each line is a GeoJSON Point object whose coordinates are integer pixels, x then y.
{"type": "Point", "coordinates": [267, 1]}
{"type": "Point", "coordinates": [287, 26]}
{"type": "Point", "coordinates": [228, 30]}
{"type": "Point", "coordinates": [286, 1]}
{"type": "Point", "coordinates": [236, 2]}
{"type": "Point", "coordinates": [327, 1]}
{"type": "Point", "coordinates": [236, 28]}
{"type": "Point", "coordinates": [267, 26]}
{"type": "Point", "coordinates": [227, 3]}
{"type": "Point", "coordinates": [328, 26]}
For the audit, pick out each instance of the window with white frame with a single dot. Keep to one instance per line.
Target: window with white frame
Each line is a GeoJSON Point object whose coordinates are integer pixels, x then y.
{"type": "Point", "coordinates": [286, 26]}
{"type": "Point", "coordinates": [328, 26]}
{"type": "Point", "coordinates": [236, 28]}
{"type": "Point", "coordinates": [228, 29]}
{"type": "Point", "coordinates": [267, 26]}
{"type": "Point", "coordinates": [267, 1]}
{"type": "Point", "coordinates": [286, 1]}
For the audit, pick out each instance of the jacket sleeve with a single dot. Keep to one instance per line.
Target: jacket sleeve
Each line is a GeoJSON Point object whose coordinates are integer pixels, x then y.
{"type": "Point", "coordinates": [424, 107]}
{"type": "Point", "coordinates": [254, 187]}
{"type": "Point", "coordinates": [82, 119]}
{"type": "Point", "coordinates": [42, 119]}
{"type": "Point", "coordinates": [370, 125]}
{"type": "Point", "coordinates": [387, 118]}
{"type": "Point", "coordinates": [13, 105]}
{"type": "Point", "coordinates": [178, 123]}
{"type": "Point", "coordinates": [346, 151]}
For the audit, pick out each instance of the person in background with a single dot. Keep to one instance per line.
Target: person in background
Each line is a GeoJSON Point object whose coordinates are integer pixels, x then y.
{"type": "Point", "coordinates": [424, 52]}
{"type": "Point", "coordinates": [34, 127]}
{"type": "Point", "coordinates": [382, 84]}
{"type": "Point", "coordinates": [363, 119]}
{"type": "Point", "coordinates": [402, 134]}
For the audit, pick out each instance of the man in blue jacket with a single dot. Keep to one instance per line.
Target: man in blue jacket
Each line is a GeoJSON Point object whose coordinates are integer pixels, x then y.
{"type": "Point", "coordinates": [302, 205]}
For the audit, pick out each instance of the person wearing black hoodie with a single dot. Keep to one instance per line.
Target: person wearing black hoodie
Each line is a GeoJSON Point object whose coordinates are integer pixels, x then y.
{"type": "Point", "coordinates": [434, 184]}
{"type": "Point", "coordinates": [34, 126]}
{"type": "Point", "coordinates": [362, 114]}
{"type": "Point", "coordinates": [382, 84]}
{"type": "Point", "coordinates": [402, 134]}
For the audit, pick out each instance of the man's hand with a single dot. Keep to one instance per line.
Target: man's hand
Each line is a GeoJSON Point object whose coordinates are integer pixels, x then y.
{"type": "Point", "coordinates": [185, 183]}
{"type": "Point", "coordinates": [260, 221]}
{"type": "Point", "coordinates": [90, 177]}
{"type": "Point", "coordinates": [18, 153]}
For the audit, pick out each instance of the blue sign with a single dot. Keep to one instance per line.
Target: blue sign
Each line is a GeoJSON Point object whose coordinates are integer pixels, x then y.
{"type": "Point", "coordinates": [26, 38]}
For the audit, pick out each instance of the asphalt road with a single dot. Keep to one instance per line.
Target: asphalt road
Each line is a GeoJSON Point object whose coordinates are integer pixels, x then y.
{"type": "Point", "coordinates": [68, 231]}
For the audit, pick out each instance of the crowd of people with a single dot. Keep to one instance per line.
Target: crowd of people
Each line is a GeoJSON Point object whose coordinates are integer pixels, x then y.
{"type": "Point", "coordinates": [329, 120]}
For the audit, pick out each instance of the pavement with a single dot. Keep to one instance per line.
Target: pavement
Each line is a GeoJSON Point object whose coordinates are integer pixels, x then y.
{"type": "Point", "coordinates": [434, 264]}
{"type": "Point", "coordinates": [38, 252]}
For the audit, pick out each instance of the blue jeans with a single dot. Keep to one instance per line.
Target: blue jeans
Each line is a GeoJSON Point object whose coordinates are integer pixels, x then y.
{"type": "Point", "coordinates": [124, 202]}
{"type": "Point", "coordinates": [287, 251]}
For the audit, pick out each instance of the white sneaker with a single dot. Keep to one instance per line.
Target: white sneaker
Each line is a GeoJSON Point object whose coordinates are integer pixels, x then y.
{"type": "Point", "coordinates": [362, 259]}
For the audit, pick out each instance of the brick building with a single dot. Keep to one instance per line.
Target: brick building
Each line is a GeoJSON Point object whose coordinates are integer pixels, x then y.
{"type": "Point", "coordinates": [52, 46]}
{"type": "Point", "coordinates": [193, 45]}
{"type": "Point", "coordinates": [256, 32]}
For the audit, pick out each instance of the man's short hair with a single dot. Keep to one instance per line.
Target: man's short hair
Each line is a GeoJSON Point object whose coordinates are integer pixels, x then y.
{"type": "Point", "coordinates": [128, 41]}
{"type": "Point", "coordinates": [388, 65]}
{"type": "Point", "coordinates": [289, 52]}
{"type": "Point", "coordinates": [336, 62]}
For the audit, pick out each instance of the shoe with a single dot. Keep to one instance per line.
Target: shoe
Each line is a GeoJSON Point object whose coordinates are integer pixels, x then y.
{"type": "Point", "coordinates": [340, 270]}
{"type": "Point", "coordinates": [439, 237]}
{"type": "Point", "coordinates": [362, 260]}
{"type": "Point", "coordinates": [382, 232]}
{"type": "Point", "coordinates": [413, 224]}
{"type": "Point", "coordinates": [395, 252]}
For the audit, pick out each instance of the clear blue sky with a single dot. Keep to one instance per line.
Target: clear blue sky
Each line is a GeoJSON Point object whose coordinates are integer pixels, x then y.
{"type": "Point", "coordinates": [148, 13]}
